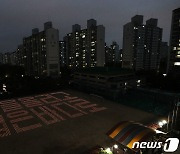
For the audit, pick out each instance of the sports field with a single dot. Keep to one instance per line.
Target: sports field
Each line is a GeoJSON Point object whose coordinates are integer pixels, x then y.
{"type": "Point", "coordinates": [60, 122]}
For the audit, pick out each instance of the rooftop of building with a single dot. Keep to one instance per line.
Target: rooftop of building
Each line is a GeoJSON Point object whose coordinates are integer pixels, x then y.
{"type": "Point", "coordinates": [107, 71]}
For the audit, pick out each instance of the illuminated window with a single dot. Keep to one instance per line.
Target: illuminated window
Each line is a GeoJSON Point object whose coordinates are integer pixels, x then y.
{"type": "Point", "coordinates": [177, 63]}
{"type": "Point", "coordinates": [174, 48]}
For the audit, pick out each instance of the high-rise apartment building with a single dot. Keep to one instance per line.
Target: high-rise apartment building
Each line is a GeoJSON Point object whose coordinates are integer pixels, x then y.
{"type": "Point", "coordinates": [6, 58]}
{"type": "Point", "coordinates": [152, 45]}
{"type": "Point", "coordinates": [62, 53]}
{"type": "Point", "coordinates": [13, 58]}
{"type": "Point", "coordinates": [113, 53]}
{"type": "Point", "coordinates": [164, 57]}
{"type": "Point", "coordinates": [174, 48]}
{"type": "Point", "coordinates": [20, 56]}
{"type": "Point", "coordinates": [85, 47]}
{"type": "Point", "coordinates": [133, 43]}
{"type": "Point", "coordinates": [41, 52]}
{"type": "Point", "coordinates": [141, 44]}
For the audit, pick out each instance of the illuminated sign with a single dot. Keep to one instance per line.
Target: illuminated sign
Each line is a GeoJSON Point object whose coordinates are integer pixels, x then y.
{"type": "Point", "coordinates": [28, 113]}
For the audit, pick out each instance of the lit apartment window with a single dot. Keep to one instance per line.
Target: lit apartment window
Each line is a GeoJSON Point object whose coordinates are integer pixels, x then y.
{"type": "Point", "coordinates": [42, 39]}
{"type": "Point", "coordinates": [174, 48]}
{"type": "Point", "coordinates": [83, 36]}
{"type": "Point", "coordinates": [176, 63]}
{"type": "Point", "coordinates": [178, 56]}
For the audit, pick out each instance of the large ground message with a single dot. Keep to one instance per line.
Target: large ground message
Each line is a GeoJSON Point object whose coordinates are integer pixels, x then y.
{"type": "Point", "coordinates": [28, 113]}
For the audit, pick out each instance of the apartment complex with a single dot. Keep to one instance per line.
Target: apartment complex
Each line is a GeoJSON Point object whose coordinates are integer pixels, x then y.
{"type": "Point", "coordinates": [40, 53]}
{"type": "Point", "coordinates": [174, 49]}
{"type": "Point", "coordinates": [141, 44]}
{"type": "Point", "coordinates": [85, 47]}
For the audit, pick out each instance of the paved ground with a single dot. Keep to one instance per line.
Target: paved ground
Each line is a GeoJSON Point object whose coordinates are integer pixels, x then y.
{"type": "Point", "coordinates": [56, 123]}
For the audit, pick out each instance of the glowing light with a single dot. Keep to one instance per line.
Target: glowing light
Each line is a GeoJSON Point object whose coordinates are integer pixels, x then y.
{"type": "Point", "coordinates": [159, 132]}
{"type": "Point", "coordinates": [177, 63]}
{"type": "Point", "coordinates": [115, 146]}
{"type": "Point", "coordinates": [164, 122]}
{"type": "Point", "coordinates": [108, 150]}
{"type": "Point", "coordinates": [4, 88]}
{"type": "Point", "coordinates": [160, 124]}
{"type": "Point", "coordinates": [48, 109]}
{"type": "Point", "coordinates": [138, 81]}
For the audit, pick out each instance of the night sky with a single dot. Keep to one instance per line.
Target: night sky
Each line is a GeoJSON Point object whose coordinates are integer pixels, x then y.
{"type": "Point", "coordinates": [18, 17]}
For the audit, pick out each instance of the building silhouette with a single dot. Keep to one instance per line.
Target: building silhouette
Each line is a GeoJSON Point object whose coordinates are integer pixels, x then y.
{"type": "Point", "coordinates": [20, 56]}
{"type": "Point", "coordinates": [174, 49]}
{"type": "Point", "coordinates": [152, 45]}
{"type": "Point", "coordinates": [164, 57]}
{"type": "Point", "coordinates": [113, 53]}
{"type": "Point", "coordinates": [40, 55]}
{"type": "Point", "coordinates": [85, 47]}
{"type": "Point", "coordinates": [141, 44]}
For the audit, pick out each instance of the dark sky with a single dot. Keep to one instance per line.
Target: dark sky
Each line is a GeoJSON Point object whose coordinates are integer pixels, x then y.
{"type": "Point", "coordinates": [18, 17]}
